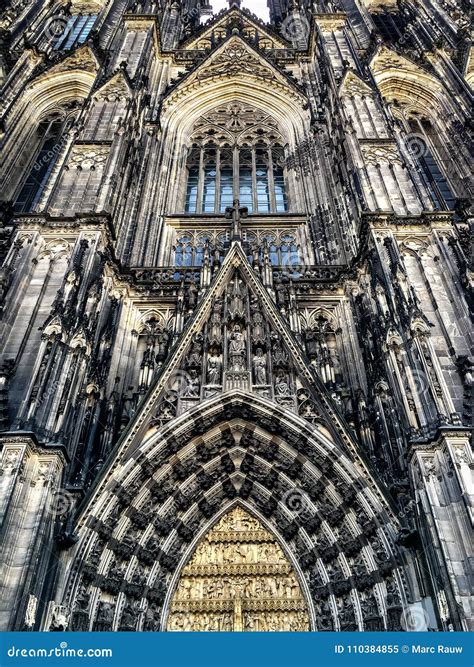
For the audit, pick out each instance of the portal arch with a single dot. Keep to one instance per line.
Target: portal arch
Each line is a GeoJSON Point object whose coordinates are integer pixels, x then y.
{"type": "Point", "coordinates": [334, 525]}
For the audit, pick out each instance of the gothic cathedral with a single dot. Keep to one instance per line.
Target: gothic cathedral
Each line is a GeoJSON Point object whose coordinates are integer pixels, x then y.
{"type": "Point", "coordinates": [236, 376]}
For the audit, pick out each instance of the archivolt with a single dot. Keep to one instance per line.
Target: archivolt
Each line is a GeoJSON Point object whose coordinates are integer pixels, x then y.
{"type": "Point", "coordinates": [141, 530]}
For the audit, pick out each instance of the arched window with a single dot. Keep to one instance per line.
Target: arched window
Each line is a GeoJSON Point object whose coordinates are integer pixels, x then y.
{"type": "Point", "coordinates": [184, 251]}
{"type": "Point", "coordinates": [51, 135]}
{"type": "Point", "coordinates": [245, 161]}
{"type": "Point", "coordinates": [227, 178]}
{"type": "Point", "coordinates": [428, 156]}
{"type": "Point", "coordinates": [210, 180]}
{"type": "Point", "coordinates": [278, 157]}
{"type": "Point", "coordinates": [261, 178]}
{"type": "Point", "coordinates": [193, 180]}
{"type": "Point", "coordinates": [245, 179]}
{"type": "Point", "coordinates": [75, 32]}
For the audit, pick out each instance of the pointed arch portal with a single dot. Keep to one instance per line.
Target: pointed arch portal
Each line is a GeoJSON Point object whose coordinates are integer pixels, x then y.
{"type": "Point", "coordinates": [238, 579]}
{"type": "Point", "coordinates": [144, 534]}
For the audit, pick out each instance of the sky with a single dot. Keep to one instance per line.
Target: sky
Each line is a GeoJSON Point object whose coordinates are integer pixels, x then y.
{"type": "Point", "coordinates": [258, 7]}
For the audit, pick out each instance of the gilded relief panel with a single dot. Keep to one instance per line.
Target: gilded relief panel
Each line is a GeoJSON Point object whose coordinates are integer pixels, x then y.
{"type": "Point", "coordinates": [238, 579]}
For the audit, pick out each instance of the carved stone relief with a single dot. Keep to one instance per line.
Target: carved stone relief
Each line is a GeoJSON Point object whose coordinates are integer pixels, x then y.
{"type": "Point", "coordinates": [238, 579]}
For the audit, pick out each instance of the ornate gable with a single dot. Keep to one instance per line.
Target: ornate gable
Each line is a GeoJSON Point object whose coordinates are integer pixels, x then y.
{"type": "Point", "coordinates": [235, 58]}
{"type": "Point", "coordinates": [389, 64]}
{"type": "Point", "coordinates": [236, 342]}
{"type": "Point", "coordinates": [117, 87]}
{"type": "Point", "coordinates": [352, 85]}
{"type": "Point", "coordinates": [81, 59]}
{"type": "Point", "coordinates": [236, 20]}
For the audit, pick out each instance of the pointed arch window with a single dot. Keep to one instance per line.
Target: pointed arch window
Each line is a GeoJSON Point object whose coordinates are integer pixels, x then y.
{"type": "Point", "coordinates": [428, 156]}
{"type": "Point", "coordinates": [253, 174]}
{"type": "Point", "coordinates": [50, 139]}
{"type": "Point", "coordinates": [246, 191]}
{"type": "Point", "coordinates": [75, 32]}
{"type": "Point", "coordinates": [226, 178]}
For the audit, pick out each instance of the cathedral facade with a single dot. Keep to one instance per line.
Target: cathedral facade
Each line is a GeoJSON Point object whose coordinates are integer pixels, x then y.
{"type": "Point", "coordinates": [236, 373]}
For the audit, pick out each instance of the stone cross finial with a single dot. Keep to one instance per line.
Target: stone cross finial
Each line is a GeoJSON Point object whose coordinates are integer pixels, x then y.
{"type": "Point", "coordinates": [236, 213]}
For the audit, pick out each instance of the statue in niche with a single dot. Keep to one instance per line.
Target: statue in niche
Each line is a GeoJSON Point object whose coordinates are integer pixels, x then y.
{"type": "Point", "coordinates": [346, 614]}
{"type": "Point", "coordinates": [215, 324]}
{"type": "Point", "coordinates": [105, 617]}
{"type": "Point", "coordinates": [279, 356]}
{"type": "Point", "coordinates": [195, 354]}
{"type": "Point", "coordinates": [129, 618]}
{"type": "Point", "coordinates": [115, 572]}
{"type": "Point", "coordinates": [193, 386]}
{"type": "Point", "coordinates": [151, 624]}
{"type": "Point", "coordinates": [162, 339]}
{"type": "Point", "coordinates": [80, 615]}
{"type": "Point", "coordinates": [259, 363]}
{"type": "Point", "coordinates": [311, 340]}
{"type": "Point", "coordinates": [369, 607]}
{"type": "Point", "coordinates": [139, 576]}
{"type": "Point", "coordinates": [282, 387]}
{"type": "Point", "coordinates": [237, 350]}
{"type": "Point", "coordinates": [258, 329]}
{"type": "Point", "coordinates": [214, 366]}
{"type": "Point", "coordinates": [60, 619]}
{"type": "Point", "coordinates": [236, 307]}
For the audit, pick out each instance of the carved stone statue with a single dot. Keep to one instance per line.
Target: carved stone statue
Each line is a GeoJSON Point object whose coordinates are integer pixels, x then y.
{"type": "Point", "coordinates": [128, 622]}
{"type": "Point", "coordinates": [151, 622]}
{"type": "Point", "coordinates": [236, 305]}
{"type": "Point", "coordinates": [214, 367]}
{"type": "Point", "coordinates": [237, 350]}
{"type": "Point", "coordinates": [215, 324]}
{"type": "Point", "coordinates": [193, 386]}
{"type": "Point", "coordinates": [195, 355]}
{"type": "Point", "coordinates": [279, 356]}
{"type": "Point", "coordinates": [80, 615]}
{"type": "Point", "coordinates": [259, 363]}
{"type": "Point", "coordinates": [282, 388]}
{"type": "Point", "coordinates": [105, 617]}
{"type": "Point", "coordinates": [258, 329]}
{"type": "Point", "coordinates": [60, 618]}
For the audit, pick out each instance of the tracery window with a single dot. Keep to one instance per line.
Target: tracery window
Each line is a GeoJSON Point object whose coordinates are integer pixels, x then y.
{"type": "Point", "coordinates": [428, 155]}
{"type": "Point", "coordinates": [190, 247]}
{"type": "Point", "coordinates": [282, 246]}
{"type": "Point", "coordinates": [50, 140]}
{"type": "Point", "coordinates": [237, 153]}
{"type": "Point", "coordinates": [76, 31]}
